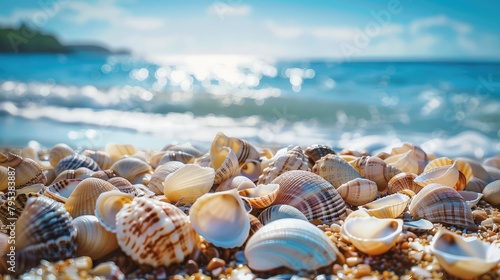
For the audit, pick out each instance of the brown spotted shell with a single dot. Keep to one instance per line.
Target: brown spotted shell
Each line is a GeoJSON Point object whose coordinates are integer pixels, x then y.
{"type": "Point", "coordinates": [75, 162]}
{"type": "Point", "coordinates": [375, 169]}
{"type": "Point", "coordinates": [27, 171]}
{"type": "Point", "coordinates": [293, 159]}
{"type": "Point", "coordinates": [335, 170]}
{"type": "Point", "coordinates": [315, 152]}
{"type": "Point", "coordinates": [163, 236]}
{"type": "Point", "coordinates": [403, 181]}
{"type": "Point", "coordinates": [82, 200]}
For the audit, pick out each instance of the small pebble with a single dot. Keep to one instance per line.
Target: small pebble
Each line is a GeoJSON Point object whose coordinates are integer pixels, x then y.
{"type": "Point", "coordinates": [192, 267]}
{"type": "Point", "coordinates": [416, 246]}
{"type": "Point", "coordinates": [335, 227]}
{"type": "Point", "coordinates": [216, 272]}
{"type": "Point", "coordinates": [215, 263]}
{"type": "Point", "coordinates": [420, 272]}
{"type": "Point", "coordinates": [352, 261]}
{"type": "Point", "coordinates": [363, 270]}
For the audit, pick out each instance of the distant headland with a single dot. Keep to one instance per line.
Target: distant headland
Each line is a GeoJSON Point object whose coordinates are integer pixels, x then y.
{"type": "Point", "coordinates": [27, 40]}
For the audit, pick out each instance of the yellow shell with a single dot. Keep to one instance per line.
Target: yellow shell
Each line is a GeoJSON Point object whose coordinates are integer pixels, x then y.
{"type": "Point", "coordinates": [116, 151]}
{"type": "Point", "coordinates": [82, 200]}
{"type": "Point", "coordinates": [416, 153]}
{"type": "Point", "coordinates": [27, 171]}
{"type": "Point", "coordinates": [462, 166]}
{"type": "Point", "coordinates": [405, 162]}
{"type": "Point", "coordinates": [188, 183]}
{"type": "Point", "coordinates": [160, 173]}
{"type": "Point", "coordinates": [225, 164]}
{"type": "Point", "coordinates": [59, 152]}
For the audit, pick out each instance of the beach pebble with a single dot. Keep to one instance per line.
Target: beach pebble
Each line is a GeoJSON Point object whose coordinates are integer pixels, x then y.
{"type": "Point", "coordinates": [352, 261]}
{"type": "Point", "coordinates": [420, 272]}
{"type": "Point", "coordinates": [416, 246]}
{"type": "Point", "coordinates": [215, 263]}
{"type": "Point", "coordinates": [363, 270]}
{"type": "Point", "coordinates": [192, 267]}
{"type": "Point", "coordinates": [335, 227]}
{"type": "Point", "coordinates": [240, 257]}
{"type": "Point", "coordinates": [416, 255]}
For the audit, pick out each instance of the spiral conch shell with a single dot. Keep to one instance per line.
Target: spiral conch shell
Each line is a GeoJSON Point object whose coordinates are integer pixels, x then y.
{"type": "Point", "coordinates": [315, 152]}
{"type": "Point", "coordinates": [92, 238]}
{"type": "Point", "coordinates": [221, 210]}
{"type": "Point", "coordinates": [155, 233]}
{"type": "Point", "coordinates": [189, 183]}
{"type": "Point", "coordinates": [335, 170]}
{"type": "Point", "coordinates": [358, 192]}
{"type": "Point", "coordinates": [27, 171]}
{"type": "Point", "coordinates": [464, 258]}
{"type": "Point", "coordinates": [225, 164]}
{"type": "Point", "coordinates": [293, 159]}
{"type": "Point", "coordinates": [291, 243]}
{"type": "Point", "coordinates": [375, 169]}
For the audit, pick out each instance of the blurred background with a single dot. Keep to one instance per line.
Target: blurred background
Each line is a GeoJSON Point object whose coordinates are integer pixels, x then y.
{"type": "Point", "coordinates": [357, 74]}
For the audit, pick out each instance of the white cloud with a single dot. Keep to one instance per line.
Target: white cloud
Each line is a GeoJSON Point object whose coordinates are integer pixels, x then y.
{"type": "Point", "coordinates": [439, 20]}
{"type": "Point", "coordinates": [222, 10]}
{"type": "Point", "coordinates": [286, 32]}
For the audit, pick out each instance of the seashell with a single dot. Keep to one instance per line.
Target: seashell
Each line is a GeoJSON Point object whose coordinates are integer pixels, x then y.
{"type": "Point", "coordinates": [358, 192]}
{"type": "Point", "coordinates": [390, 206]}
{"type": "Point", "coordinates": [188, 183]}
{"type": "Point", "coordinates": [4, 181]}
{"type": "Point", "coordinates": [101, 158]}
{"type": "Point", "coordinates": [418, 225]}
{"type": "Point", "coordinates": [132, 169]}
{"type": "Point", "coordinates": [442, 204]}
{"type": "Point", "coordinates": [462, 166]}
{"type": "Point", "coordinates": [280, 211]}
{"type": "Point", "coordinates": [222, 210]}
{"type": "Point", "coordinates": [293, 159]}
{"type": "Point", "coordinates": [315, 152]}
{"type": "Point", "coordinates": [27, 171]}
{"type": "Point", "coordinates": [77, 174]}
{"type": "Point", "coordinates": [61, 190]}
{"type": "Point", "coordinates": [82, 200]}
{"type": "Point", "coordinates": [58, 152]}
{"type": "Point", "coordinates": [493, 171]}
{"type": "Point", "coordinates": [9, 212]}
{"type": "Point", "coordinates": [225, 164]}
{"type": "Point", "coordinates": [491, 193]}
{"type": "Point", "coordinates": [493, 162]}
{"type": "Point", "coordinates": [403, 181]}
{"type": "Point", "coordinates": [350, 159]}
{"type": "Point", "coordinates": [335, 170]}
{"type": "Point", "coordinates": [104, 174]}
{"type": "Point", "coordinates": [236, 182]}
{"type": "Point", "coordinates": [416, 153]}
{"type": "Point", "coordinates": [375, 169]}
{"type": "Point", "coordinates": [310, 194]}
{"type": "Point", "coordinates": [75, 162]}
{"type": "Point", "coordinates": [406, 162]}
{"type": "Point", "coordinates": [250, 169]}
{"type": "Point", "coordinates": [117, 151]}
{"type": "Point", "coordinates": [478, 170]}
{"type": "Point", "coordinates": [4, 244]}
{"type": "Point", "coordinates": [472, 198]}
{"type": "Point", "coordinates": [445, 175]}
{"type": "Point", "coordinates": [43, 232]}
{"type": "Point", "coordinates": [163, 237]}
{"type": "Point", "coordinates": [122, 185]}
{"type": "Point", "coordinates": [187, 148]}
{"type": "Point", "coordinates": [108, 204]}
{"type": "Point", "coordinates": [383, 155]}
{"type": "Point", "coordinates": [351, 152]}
{"type": "Point", "coordinates": [108, 270]}
{"type": "Point", "coordinates": [290, 243]}
{"type": "Point", "coordinates": [176, 156]}
{"type": "Point", "coordinates": [261, 196]}
{"type": "Point", "coordinates": [36, 188]}
{"type": "Point", "coordinates": [243, 150]}
{"type": "Point", "coordinates": [142, 190]}
{"type": "Point", "coordinates": [92, 238]}
{"type": "Point", "coordinates": [255, 225]}
{"type": "Point", "coordinates": [371, 235]}
{"type": "Point", "coordinates": [160, 173]}
{"type": "Point", "coordinates": [463, 257]}
{"type": "Point", "coordinates": [31, 153]}
{"type": "Point", "coordinates": [203, 161]}
{"type": "Point", "coordinates": [476, 185]}
{"type": "Point", "coordinates": [270, 158]}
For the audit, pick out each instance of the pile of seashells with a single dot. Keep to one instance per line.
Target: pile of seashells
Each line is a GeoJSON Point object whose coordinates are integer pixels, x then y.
{"type": "Point", "coordinates": [178, 212]}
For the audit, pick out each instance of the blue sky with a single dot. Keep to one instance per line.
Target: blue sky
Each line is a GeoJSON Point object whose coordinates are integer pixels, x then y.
{"type": "Point", "coordinates": [340, 29]}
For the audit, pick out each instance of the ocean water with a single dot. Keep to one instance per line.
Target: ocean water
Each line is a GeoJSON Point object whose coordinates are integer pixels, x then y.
{"type": "Point", "coordinates": [88, 100]}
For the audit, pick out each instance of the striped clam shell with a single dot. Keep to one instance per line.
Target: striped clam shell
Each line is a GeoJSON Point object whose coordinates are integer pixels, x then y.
{"type": "Point", "coordinates": [75, 162]}
{"type": "Point", "coordinates": [77, 174]}
{"type": "Point", "coordinates": [461, 165]}
{"type": "Point", "coordinates": [315, 152]}
{"type": "Point", "coordinates": [132, 169]}
{"type": "Point", "coordinates": [260, 196]}
{"type": "Point", "coordinates": [375, 169]}
{"type": "Point", "coordinates": [101, 158]}
{"type": "Point", "coordinates": [293, 159]}
{"type": "Point", "coordinates": [403, 181]}
{"type": "Point", "coordinates": [335, 170]}
{"type": "Point", "coordinates": [442, 204]}
{"type": "Point", "coordinates": [28, 172]}
{"type": "Point", "coordinates": [310, 194]}
{"type": "Point", "coordinates": [280, 211]}
{"type": "Point", "coordinates": [61, 190]}
{"type": "Point", "coordinates": [358, 192]}
{"type": "Point", "coordinates": [160, 173]}
{"type": "Point", "coordinates": [9, 211]}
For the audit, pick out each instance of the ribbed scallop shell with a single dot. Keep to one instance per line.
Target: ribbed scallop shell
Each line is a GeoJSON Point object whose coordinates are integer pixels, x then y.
{"type": "Point", "coordinates": [310, 194]}
{"type": "Point", "coordinates": [405, 162]}
{"type": "Point", "coordinates": [9, 211]}
{"type": "Point", "coordinates": [491, 193]}
{"type": "Point", "coordinates": [445, 175]}
{"type": "Point", "coordinates": [462, 166]}
{"type": "Point", "coordinates": [160, 173]}
{"type": "Point", "coordinates": [293, 159]}
{"type": "Point", "coordinates": [358, 192]}
{"type": "Point", "coordinates": [155, 233]}
{"type": "Point", "coordinates": [131, 168]}
{"type": "Point", "coordinates": [315, 152]}
{"type": "Point", "coordinates": [75, 162]}
{"type": "Point", "coordinates": [390, 206]}
{"type": "Point", "coordinates": [280, 211]}
{"type": "Point", "coordinates": [61, 190]}
{"type": "Point", "coordinates": [101, 158]}
{"type": "Point", "coordinates": [108, 204]}
{"type": "Point", "coordinates": [77, 174]}
{"type": "Point", "coordinates": [225, 164]}
{"type": "Point", "coordinates": [82, 200]}
{"type": "Point", "coordinates": [28, 172]}
{"type": "Point", "coordinates": [189, 183]}
{"type": "Point", "coordinates": [260, 196]}
{"type": "Point", "coordinates": [236, 182]}
{"type": "Point", "coordinates": [116, 151]}
{"type": "Point", "coordinates": [58, 152]}
{"type": "Point", "coordinates": [476, 185]}
{"type": "Point", "coordinates": [43, 232]}
{"type": "Point", "coordinates": [291, 243]}
{"type": "Point", "coordinates": [92, 238]}
{"type": "Point", "coordinates": [371, 235]}
{"type": "Point", "coordinates": [124, 186]}
{"type": "Point", "coordinates": [375, 169]}
{"type": "Point", "coordinates": [335, 170]}
{"type": "Point", "coordinates": [442, 204]}
{"type": "Point", "coordinates": [222, 210]}
{"type": "Point", "coordinates": [403, 181]}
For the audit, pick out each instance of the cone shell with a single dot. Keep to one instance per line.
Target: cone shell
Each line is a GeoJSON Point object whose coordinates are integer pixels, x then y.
{"type": "Point", "coordinates": [462, 166]}
{"type": "Point", "coordinates": [261, 196]}
{"type": "Point", "coordinates": [225, 164]}
{"type": "Point", "coordinates": [44, 232]}
{"type": "Point", "coordinates": [375, 169]}
{"type": "Point", "coordinates": [189, 183]}
{"type": "Point", "coordinates": [445, 175]}
{"type": "Point", "coordinates": [131, 168]}
{"type": "Point", "coordinates": [116, 151]}
{"type": "Point", "coordinates": [101, 158]}
{"type": "Point", "coordinates": [315, 152]}
{"type": "Point", "coordinates": [280, 211]}
{"type": "Point", "coordinates": [390, 206]}
{"type": "Point", "coordinates": [335, 170]}
{"type": "Point", "coordinates": [82, 200]}
{"type": "Point", "coordinates": [371, 235]}
{"type": "Point", "coordinates": [403, 181]}
{"type": "Point", "coordinates": [461, 257]}
{"type": "Point", "coordinates": [155, 233]}
{"type": "Point", "coordinates": [442, 204]}
{"type": "Point", "coordinates": [406, 162]}
{"type": "Point", "coordinates": [160, 173]}
{"type": "Point", "coordinates": [290, 243]}
{"type": "Point", "coordinates": [28, 172]}
{"type": "Point", "coordinates": [222, 210]}
{"type": "Point", "coordinates": [75, 162]}
{"type": "Point", "coordinates": [92, 238]}
{"type": "Point", "coordinates": [293, 159]}
{"type": "Point", "coordinates": [491, 193]}
{"type": "Point", "coordinates": [310, 194]}
{"type": "Point", "coordinates": [108, 204]}
{"type": "Point", "coordinates": [236, 182]}
{"type": "Point", "coordinates": [358, 192]}
{"type": "Point", "coordinates": [61, 190]}
{"type": "Point", "coordinates": [59, 152]}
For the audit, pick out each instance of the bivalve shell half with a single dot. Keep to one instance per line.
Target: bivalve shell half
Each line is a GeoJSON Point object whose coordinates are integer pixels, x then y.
{"type": "Point", "coordinates": [261, 196]}
{"type": "Point", "coordinates": [491, 193]}
{"type": "Point", "coordinates": [82, 200]}
{"type": "Point", "coordinates": [472, 198]}
{"type": "Point", "coordinates": [461, 257]}
{"type": "Point", "coordinates": [61, 190]}
{"type": "Point", "coordinates": [58, 152]}
{"type": "Point", "coordinates": [155, 233]}
{"type": "Point", "coordinates": [476, 185]}
{"type": "Point", "coordinates": [445, 175]}
{"type": "Point", "coordinates": [28, 172]}
{"type": "Point", "coordinates": [78, 174]}
{"type": "Point", "coordinates": [290, 243]}
{"type": "Point", "coordinates": [371, 235]}
{"type": "Point", "coordinates": [280, 211]}
{"type": "Point", "coordinates": [462, 166]}
{"type": "Point", "coordinates": [101, 158]}
{"type": "Point", "coordinates": [92, 238]}
{"type": "Point", "coordinates": [116, 151]}
{"type": "Point", "coordinates": [358, 192]}
{"type": "Point", "coordinates": [311, 195]}
{"type": "Point", "coordinates": [225, 164]}
{"type": "Point", "coordinates": [221, 210]}
{"type": "Point", "coordinates": [188, 183]}
{"type": "Point", "coordinates": [315, 152]}
{"type": "Point", "coordinates": [390, 206]}
{"type": "Point", "coordinates": [8, 212]}
{"type": "Point", "coordinates": [108, 204]}
{"type": "Point", "coordinates": [375, 169]}
{"type": "Point", "coordinates": [403, 181]}
{"type": "Point", "coordinates": [160, 173]}
{"type": "Point", "coordinates": [293, 159]}
{"type": "Point", "coordinates": [416, 153]}
{"type": "Point", "coordinates": [132, 169]}
{"type": "Point", "coordinates": [75, 162]}
{"type": "Point", "coordinates": [335, 170]}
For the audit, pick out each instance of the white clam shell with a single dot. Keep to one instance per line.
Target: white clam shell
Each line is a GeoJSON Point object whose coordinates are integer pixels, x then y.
{"type": "Point", "coordinates": [444, 175]}
{"type": "Point", "coordinates": [160, 173]}
{"type": "Point", "coordinates": [221, 218]}
{"type": "Point", "coordinates": [225, 164]}
{"type": "Point", "coordinates": [371, 235]}
{"type": "Point", "coordinates": [131, 168]}
{"type": "Point", "coordinates": [390, 206]}
{"type": "Point", "coordinates": [290, 243]}
{"type": "Point", "coordinates": [358, 192]}
{"type": "Point", "coordinates": [260, 196]}
{"type": "Point", "coordinates": [108, 204]}
{"type": "Point", "coordinates": [280, 211]}
{"type": "Point", "coordinates": [335, 170]}
{"type": "Point", "coordinates": [472, 198]}
{"type": "Point", "coordinates": [461, 257]}
{"type": "Point", "coordinates": [92, 238]}
{"type": "Point", "coordinates": [188, 183]}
